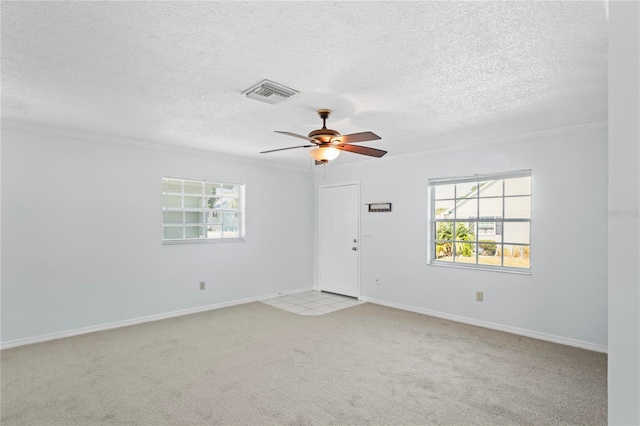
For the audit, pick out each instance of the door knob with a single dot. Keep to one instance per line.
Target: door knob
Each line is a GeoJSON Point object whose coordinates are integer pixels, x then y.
{"type": "Point", "coordinates": [353, 248]}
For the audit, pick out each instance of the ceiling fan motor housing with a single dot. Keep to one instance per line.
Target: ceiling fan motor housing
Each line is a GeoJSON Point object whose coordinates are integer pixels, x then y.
{"type": "Point", "coordinates": [324, 135]}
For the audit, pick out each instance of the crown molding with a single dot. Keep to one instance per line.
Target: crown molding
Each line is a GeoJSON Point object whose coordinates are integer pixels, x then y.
{"type": "Point", "coordinates": [525, 137]}
{"type": "Point", "coordinates": [172, 149]}
{"type": "Point", "coordinates": [141, 144]}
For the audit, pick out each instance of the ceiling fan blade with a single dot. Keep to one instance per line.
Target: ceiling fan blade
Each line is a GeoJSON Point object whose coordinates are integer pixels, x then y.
{"type": "Point", "coordinates": [283, 149]}
{"type": "Point", "coordinates": [364, 150]}
{"type": "Point", "coordinates": [358, 137]}
{"type": "Point", "coordinates": [295, 135]}
{"type": "Point", "coordinates": [319, 162]}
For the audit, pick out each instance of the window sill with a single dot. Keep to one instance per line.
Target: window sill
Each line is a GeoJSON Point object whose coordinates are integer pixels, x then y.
{"type": "Point", "coordinates": [204, 241]}
{"type": "Point", "coordinates": [480, 268]}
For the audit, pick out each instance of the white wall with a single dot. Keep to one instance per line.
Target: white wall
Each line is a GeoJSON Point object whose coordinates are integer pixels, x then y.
{"type": "Point", "coordinates": [81, 235]}
{"type": "Point", "coordinates": [566, 294]}
{"type": "Point", "coordinates": [624, 200]}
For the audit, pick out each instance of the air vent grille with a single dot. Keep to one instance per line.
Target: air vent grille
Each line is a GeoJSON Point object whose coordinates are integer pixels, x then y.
{"type": "Point", "coordinates": [270, 92]}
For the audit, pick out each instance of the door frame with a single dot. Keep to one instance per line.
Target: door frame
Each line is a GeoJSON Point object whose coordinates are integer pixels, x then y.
{"type": "Point", "coordinates": [319, 222]}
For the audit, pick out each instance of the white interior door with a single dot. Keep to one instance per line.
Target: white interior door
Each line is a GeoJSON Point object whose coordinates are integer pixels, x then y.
{"type": "Point", "coordinates": [338, 263]}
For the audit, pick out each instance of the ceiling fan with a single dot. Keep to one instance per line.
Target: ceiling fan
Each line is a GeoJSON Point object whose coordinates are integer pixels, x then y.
{"type": "Point", "coordinates": [328, 143]}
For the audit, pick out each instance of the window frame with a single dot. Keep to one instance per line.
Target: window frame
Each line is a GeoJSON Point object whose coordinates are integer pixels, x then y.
{"type": "Point", "coordinates": [240, 211]}
{"type": "Point", "coordinates": [477, 220]}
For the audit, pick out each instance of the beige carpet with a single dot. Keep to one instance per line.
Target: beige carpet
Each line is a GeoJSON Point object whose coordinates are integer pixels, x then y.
{"type": "Point", "coordinates": [255, 364]}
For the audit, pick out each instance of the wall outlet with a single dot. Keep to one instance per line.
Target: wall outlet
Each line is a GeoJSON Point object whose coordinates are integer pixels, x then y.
{"type": "Point", "coordinates": [377, 281]}
{"type": "Point", "coordinates": [201, 285]}
{"type": "Point", "coordinates": [479, 296]}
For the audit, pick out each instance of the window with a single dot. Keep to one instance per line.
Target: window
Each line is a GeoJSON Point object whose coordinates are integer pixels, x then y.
{"type": "Point", "coordinates": [198, 211]}
{"type": "Point", "coordinates": [482, 221]}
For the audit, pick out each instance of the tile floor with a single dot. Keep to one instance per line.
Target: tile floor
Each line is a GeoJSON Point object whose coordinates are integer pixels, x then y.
{"type": "Point", "coordinates": [312, 303]}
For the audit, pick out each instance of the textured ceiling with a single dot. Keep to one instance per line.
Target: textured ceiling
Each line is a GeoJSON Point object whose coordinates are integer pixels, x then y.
{"type": "Point", "coordinates": [422, 75]}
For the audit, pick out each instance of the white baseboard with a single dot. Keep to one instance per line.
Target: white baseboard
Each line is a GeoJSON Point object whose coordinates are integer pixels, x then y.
{"type": "Point", "coordinates": [486, 324]}
{"type": "Point", "coordinates": [92, 329]}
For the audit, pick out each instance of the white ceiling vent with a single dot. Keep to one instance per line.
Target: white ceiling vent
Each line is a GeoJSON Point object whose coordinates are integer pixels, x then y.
{"type": "Point", "coordinates": [269, 92]}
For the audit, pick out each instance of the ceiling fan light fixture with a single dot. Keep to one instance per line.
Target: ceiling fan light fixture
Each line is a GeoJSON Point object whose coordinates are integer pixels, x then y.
{"type": "Point", "coordinates": [324, 154]}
